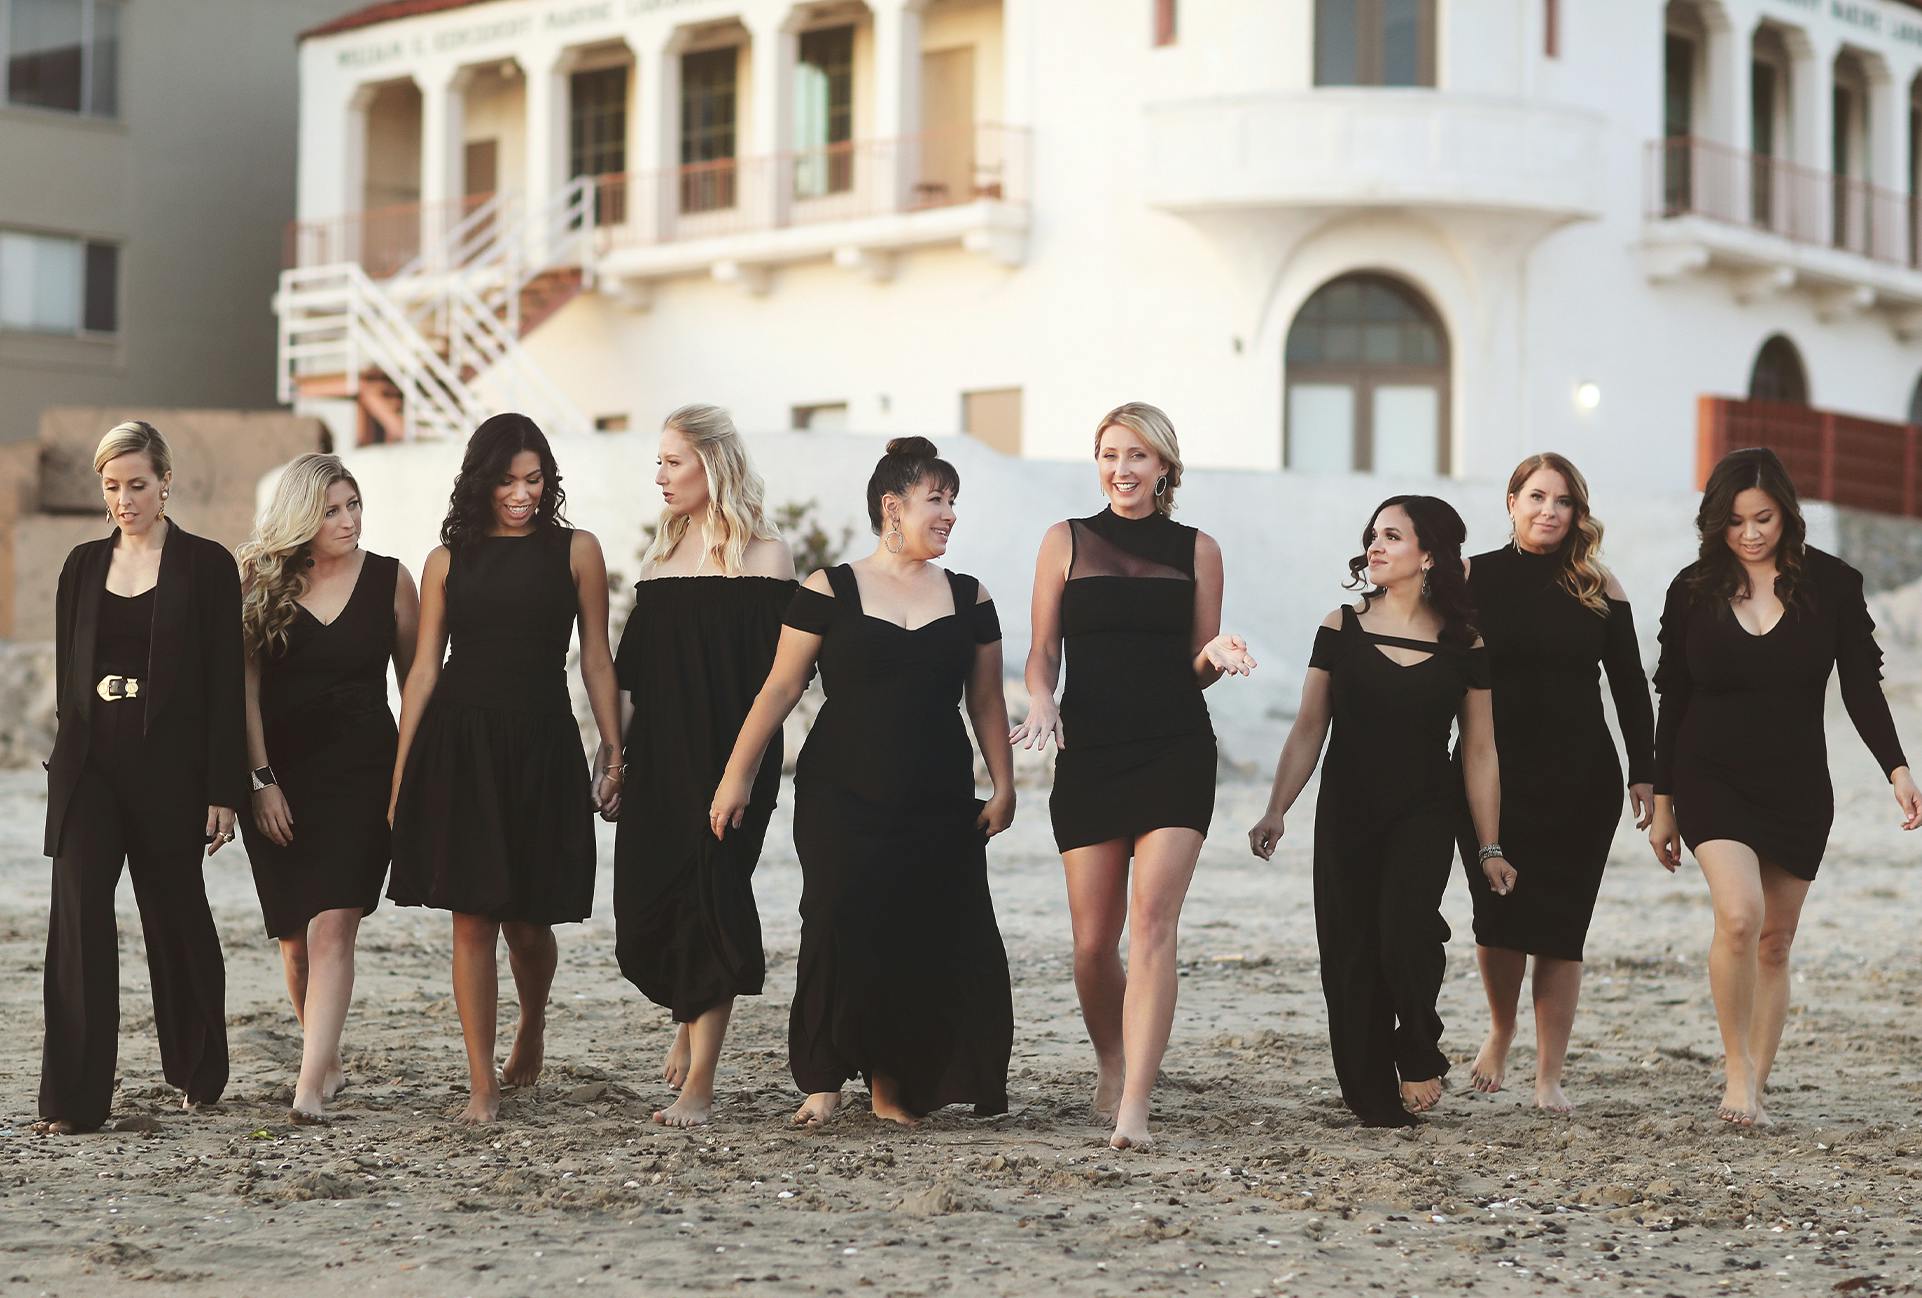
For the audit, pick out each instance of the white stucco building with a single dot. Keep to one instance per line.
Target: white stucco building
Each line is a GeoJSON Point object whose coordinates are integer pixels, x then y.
{"type": "Point", "coordinates": [1401, 237]}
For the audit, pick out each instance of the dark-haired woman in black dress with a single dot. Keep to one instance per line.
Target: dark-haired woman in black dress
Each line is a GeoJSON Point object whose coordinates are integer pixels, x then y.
{"type": "Point", "coordinates": [493, 804]}
{"type": "Point", "coordinates": [1750, 634]}
{"type": "Point", "coordinates": [1551, 614]}
{"type": "Point", "coordinates": [902, 977]}
{"type": "Point", "coordinates": [1133, 598]}
{"type": "Point", "coordinates": [322, 618]}
{"type": "Point", "coordinates": [1392, 677]}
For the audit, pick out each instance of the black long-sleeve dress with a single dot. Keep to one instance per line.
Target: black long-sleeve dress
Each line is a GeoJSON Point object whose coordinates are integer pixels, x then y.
{"type": "Point", "coordinates": [330, 740]}
{"type": "Point", "coordinates": [1384, 837]}
{"type": "Point", "coordinates": [1739, 744]}
{"type": "Point", "coordinates": [1562, 788]}
{"type": "Point", "coordinates": [695, 652]}
{"type": "Point", "coordinates": [901, 971]}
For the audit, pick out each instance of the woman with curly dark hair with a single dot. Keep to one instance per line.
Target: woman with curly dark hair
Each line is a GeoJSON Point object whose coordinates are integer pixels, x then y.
{"type": "Point", "coordinates": [492, 805]}
{"type": "Point", "coordinates": [1392, 676]}
{"type": "Point", "coordinates": [1750, 633]}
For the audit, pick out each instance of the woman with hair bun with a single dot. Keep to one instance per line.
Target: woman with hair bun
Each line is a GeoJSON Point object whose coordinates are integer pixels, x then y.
{"type": "Point", "coordinates": [1751, 632]}
{"type": "Point", "coordinates": [1133, 600]}
{"type": "Point", "coordinates": [1392, 676]}
{"type": "Point", "coordinates": [321, 619]}
{"type": "Point", "coordinates": [492, 804]}
{"type": "Point", "coordinates": [902, 978]}
{"type": "Point", "coordinates": [698, 645]}
{"type": "Point", "coordinates": [1551, 614]}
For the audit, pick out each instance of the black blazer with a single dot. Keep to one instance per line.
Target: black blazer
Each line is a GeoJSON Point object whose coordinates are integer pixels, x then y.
{"type": "Point", "coordinates": [195, 726]}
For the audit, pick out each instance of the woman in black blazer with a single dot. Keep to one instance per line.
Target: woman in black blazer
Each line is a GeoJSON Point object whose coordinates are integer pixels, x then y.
{"type": "Point", "coordinates": [148, 765]}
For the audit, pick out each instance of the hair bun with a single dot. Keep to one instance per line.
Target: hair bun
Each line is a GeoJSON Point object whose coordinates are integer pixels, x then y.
{"type": "Point", "coordinates": [918, 447]}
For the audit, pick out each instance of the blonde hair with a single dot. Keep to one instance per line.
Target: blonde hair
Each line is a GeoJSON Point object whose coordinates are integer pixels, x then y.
{"type": "Point", "coordinates": [1582, 573]}
{"type": "Point", "coordinates": [135, 437]}
{"type": "Point", "coordinates": [272, 560]}
{"type": "Point", "coordinates": [1152, 426]}
{"type": "Point", "coordinates": [735, 512]}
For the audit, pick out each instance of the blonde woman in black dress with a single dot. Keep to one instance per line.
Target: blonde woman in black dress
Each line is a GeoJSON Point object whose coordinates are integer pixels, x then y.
{"type": "Point", "coordinates": [902, 978]}
{"type": "Point", "coordinates": [1751, 632]}
{"type": "Point", "coordinates": [1134, 599]}
{"type": "Point", "coordinates": [322, 619]}
{"type": "Point", "coordinates": [697, 647]}
{"type": "Point", "coordinates": [493, 804]}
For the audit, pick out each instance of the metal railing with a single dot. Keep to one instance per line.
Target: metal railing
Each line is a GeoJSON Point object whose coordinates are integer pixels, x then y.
{"type": "Point", "coordinates": [1844, 459]}
{"type": "Point", "coordinates": [383, 240]}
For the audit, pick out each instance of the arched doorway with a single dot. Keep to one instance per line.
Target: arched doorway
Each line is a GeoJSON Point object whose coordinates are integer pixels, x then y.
{"type": "Point", "coordinates": [1367, 361]}
{"type": "Point", "coordinates": [1778, 374]}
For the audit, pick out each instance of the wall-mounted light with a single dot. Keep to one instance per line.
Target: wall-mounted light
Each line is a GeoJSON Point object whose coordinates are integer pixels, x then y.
{"type": "Point", "coordinates": [1588, 394]}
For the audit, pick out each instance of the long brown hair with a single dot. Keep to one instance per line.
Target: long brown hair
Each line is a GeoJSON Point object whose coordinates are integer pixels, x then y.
{"type": "Point", "coordinates": [1582, 574]}
{"type": "Point", "coordinates": [1718, 574]}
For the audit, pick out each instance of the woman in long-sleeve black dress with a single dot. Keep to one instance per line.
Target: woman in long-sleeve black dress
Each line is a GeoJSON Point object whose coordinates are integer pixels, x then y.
{"type": "Point", "coordinates": [1750, 633]}
{"type": "Point", "coordinates": [902, 978]}
{"type": "Point", "coordinates": [1550, 614]}
{"type": "Point", "coordinates": [148, 768]}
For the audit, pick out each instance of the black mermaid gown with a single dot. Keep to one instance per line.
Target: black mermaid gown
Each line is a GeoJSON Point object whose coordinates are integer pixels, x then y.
{"type": "Point", "coordinates": [1127, 627]}
{"type": "Point", "coordinates": [695, 652]}
{"type": "Point", "coordinates": [1562, 787]}
{"type": "Point", "coordinates": [901, 970]}
{"type": "Point", "coordinates": [1384, 839]}
{"type": "Point", "coordinates": [496, 814]}
{"type": "Point", "coordinates": [330, 740]}
{"type": "Point", "coordinates": [1740, 743]}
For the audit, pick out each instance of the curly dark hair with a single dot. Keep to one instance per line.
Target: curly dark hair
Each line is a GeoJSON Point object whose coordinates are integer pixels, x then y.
{"type": "Point", "coordinates": [470, 506]}
{"type": "Point", "coordinates": [1717, 574]}
{"type": "Point", "coordinates": [907, 462]}
{"type": "Point", "coordinates": [1440, 532]}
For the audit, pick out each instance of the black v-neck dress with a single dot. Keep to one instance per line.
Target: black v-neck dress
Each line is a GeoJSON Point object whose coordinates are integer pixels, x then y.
{"type": "Point", "coordinates": [901, 970]}
{"type": "Point", "coordinates": [330, 740]}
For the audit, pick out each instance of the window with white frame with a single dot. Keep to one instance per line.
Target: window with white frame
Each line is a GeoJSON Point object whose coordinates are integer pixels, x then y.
{"type": "Point", "coordinates": [824, 113]}
{"type": "Point", "coordinates": [52, 284]}
{"type": "Point", "coordinates": [62, 55]}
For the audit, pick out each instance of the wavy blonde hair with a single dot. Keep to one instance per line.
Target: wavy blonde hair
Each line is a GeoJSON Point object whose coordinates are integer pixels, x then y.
{"type": "Point", "coordinates": [136, 436]}
{"type": "Point", "coordinates": [273, 560]}
{"type": "Point", "coordinates": [1152, 426]}
{"type": "Point", "coordinates": [1582, 573]}
{"type": "Point", "coordinates": [736, 513]}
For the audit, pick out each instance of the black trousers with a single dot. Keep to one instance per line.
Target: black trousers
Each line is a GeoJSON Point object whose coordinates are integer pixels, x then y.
{"type": "Point", "coordinates": [1378, 923]}
{"type": "Point", "coordinates": [110, 822]}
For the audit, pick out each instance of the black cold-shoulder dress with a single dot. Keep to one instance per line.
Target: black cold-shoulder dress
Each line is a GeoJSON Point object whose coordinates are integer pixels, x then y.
{"type": "Point", "coordinates": [1562, 786]}
{"type": "Point", "coordinates": [901, 971]}
{"type": "Point", "coordinates": [1127, 629]}
{"type": "Point", "coordinates": [1740, 744]}
{"type": "Point", "coordinates": [496, 813]}
{"type": "Point", "coordinates": [695, 652]}
{"type": "Point", "coordinates": [330, 741]}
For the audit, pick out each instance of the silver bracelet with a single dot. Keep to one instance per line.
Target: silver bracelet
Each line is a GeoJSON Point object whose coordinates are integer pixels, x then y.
{"type": "Point", "coordinates": [1490, 850]}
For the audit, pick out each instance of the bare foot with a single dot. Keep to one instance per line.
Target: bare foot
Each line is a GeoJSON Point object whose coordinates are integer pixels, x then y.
{"type": "Point", "coordinates": [55, 1127]}
{"type": "Point", "coordinates": [310, 1117]}
{"type": "Point", "coordinates": [1131, 1127]}
{"type": "Point", "coordinates": [1550, 1099]}
{"type": "Point", "coordinates": [188, 1104]}
{"type": "Point", "coordinates": [817, 1109]}
{"type": "Point", "coordinates": [1740, 1105]}
{"type": "Point", "coordinates": [1420, 1097]}
{"type": "Point", "coordinates": [483, 1107]}
{"type": "Point", "coordinates": [529, 1052]}
{"type": "Point", "coordinates": [335, 1083]}
{"type": "Point", "coordinates": [885, 1100]}
{"type": "Point", "coordinates": [674, 1072]}
{"type": "Point", "coordinates": [690, 1110]}
{"type": "Point", "coordinates": [1491, 1065]}
{"type": "Point", "coordinates": [1107, 1090]}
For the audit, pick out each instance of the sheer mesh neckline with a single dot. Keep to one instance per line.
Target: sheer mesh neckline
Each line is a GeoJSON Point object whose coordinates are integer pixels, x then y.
{"type": "Point", "coordinates": [1111, 545]}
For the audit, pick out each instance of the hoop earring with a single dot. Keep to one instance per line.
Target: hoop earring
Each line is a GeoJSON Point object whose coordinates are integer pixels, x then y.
{"type": "Point", "coordinates": [893, 541]}
{"type": "Point", "coordinates": [1161, 486]}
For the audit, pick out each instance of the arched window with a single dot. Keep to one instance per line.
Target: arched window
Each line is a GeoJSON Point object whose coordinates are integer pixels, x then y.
{"type": "Point", "coordinates": [1367, 381]}
{"type": "Point", "coordinates": [1778, 374]}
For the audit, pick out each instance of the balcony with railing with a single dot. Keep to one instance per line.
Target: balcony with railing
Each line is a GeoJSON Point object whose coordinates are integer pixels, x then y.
{"type": "Point", "coordinates": [1844, 459]}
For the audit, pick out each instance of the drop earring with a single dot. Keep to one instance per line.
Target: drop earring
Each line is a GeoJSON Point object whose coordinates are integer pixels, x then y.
{"type": "Point", "coordinates": [894, 541]}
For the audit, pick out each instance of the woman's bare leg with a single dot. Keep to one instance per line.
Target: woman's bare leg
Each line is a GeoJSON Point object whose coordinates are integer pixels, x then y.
{"type": "Point", "coordinates": [1734, 877]}
{"type": "Point", "coordinates": [1164, 865]}
{"type": "Point", "coordinates": [1098, 908]}
{"type": "Point", "coordinates": [330, 989]}
{"type": "Point", "coordinates": [477, 997]}
{"type": "Point", "coordinates": [532, 955]}
{"type": "Point", "coordinates": [704, 1037]}
{"type": "Point", "coordinates": [1558, 986]}
{"type": "Point", "coordinates": [293, 966]}
{"type": "Point", "coordinates": [679, 1055]}
{"type": "Point", "coordinates": [1502, 973]}
{"type": "Point", "coordinates": [1782, 898]}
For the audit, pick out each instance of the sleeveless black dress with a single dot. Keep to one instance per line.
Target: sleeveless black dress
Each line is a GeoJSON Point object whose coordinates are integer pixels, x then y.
{"type": "Point", "coordinates": [496, 813]}
{"type": "Point", "coordinates": [901, 970]}
{"type": "Point", "coordinates": [1127, 629]}
{"type": "Point", "coordinates": [1740, 744]}
{"type": "Point", "coordinates": [330, 739]}
{"type": "Point", "coordinates": [695, 652]}
{"type": "Point", "coordinates": [1562, 786]}
{"type": "Point", "coordinates": [1384, 839]}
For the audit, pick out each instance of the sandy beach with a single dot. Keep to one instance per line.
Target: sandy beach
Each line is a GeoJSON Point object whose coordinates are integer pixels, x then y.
{"type": "Point", "coordinates": [1261, 1184]}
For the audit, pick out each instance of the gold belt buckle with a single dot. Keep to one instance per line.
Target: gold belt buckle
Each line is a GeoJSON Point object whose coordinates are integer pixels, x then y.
{"type": "Point", "coordinates": [118, 687]}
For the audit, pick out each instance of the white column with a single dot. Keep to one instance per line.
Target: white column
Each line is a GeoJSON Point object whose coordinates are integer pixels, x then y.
{"type": "Point", "coordinates": [1811, 116]}
{"type": "Point", "coordinates": [1888, 110]}
{"type": "Point", "coordinates": [442, 160]}
{"type": "Point", "coordinates": [767, 181]}
{"type": "Point", "coordinates": [897, 93]}
{"type": "Point", "coordinates": [1725, 171]}
{"type": "Point", "coordinates": [353, 179]}
{"type": "Point", "coordinates": [654, 197]}
{"type": "Point", "coordinates": [547, 72]}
